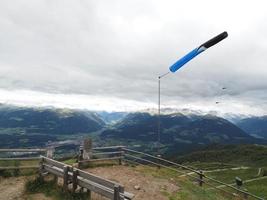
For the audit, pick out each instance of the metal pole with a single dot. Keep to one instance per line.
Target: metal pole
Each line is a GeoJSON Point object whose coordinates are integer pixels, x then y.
{"type": "Point", "coordinates": [158, 113]}
{"type": "Point", "coordinates": [159, 77]}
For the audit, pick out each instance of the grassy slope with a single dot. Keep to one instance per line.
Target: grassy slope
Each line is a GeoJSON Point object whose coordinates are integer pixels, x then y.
{"type": "Point", "coordinates": [20, 172]}
{"type": "Point", "coordinates": [188, 189]}
{"type": "Point", "coordinates": [249, 155]}
{"type": "Point", "coordinates": [228, 176]}
{"type": "Point", "coordinates": [257, 187]}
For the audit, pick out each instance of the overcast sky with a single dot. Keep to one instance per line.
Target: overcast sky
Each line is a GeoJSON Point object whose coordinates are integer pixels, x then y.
{"type": "Point", "coordinates": [103, 54]}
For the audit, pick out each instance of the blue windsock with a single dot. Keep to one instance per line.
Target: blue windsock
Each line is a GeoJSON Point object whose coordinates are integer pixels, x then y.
{"type": "Point", "coordinates": [197, 51]}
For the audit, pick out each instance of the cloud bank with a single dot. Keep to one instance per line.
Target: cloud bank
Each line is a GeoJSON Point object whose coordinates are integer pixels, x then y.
{"type": "Point", "coordinates": [105, 50]}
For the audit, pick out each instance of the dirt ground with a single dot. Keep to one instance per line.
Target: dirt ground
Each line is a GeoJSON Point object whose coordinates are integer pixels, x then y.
{"type": "Point", "coordinates": [143, 186]}
{"type": "Point", "coordinates": [13, 189]}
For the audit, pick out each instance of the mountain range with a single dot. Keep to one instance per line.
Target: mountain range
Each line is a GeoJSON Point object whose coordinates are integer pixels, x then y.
{"type": "Point", "coordinates": [28, 126]}
{"type": "Point", "coordinates": [178, 127]}
{"type": "Point", "coordinates": [49, 121]}
{"type": "Point", "coordinates": [255, 126]}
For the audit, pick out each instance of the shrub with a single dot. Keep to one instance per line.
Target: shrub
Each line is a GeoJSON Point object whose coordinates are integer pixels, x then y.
{"type": "Point", "coordinates": [50, 188]}
{"type": "Point", "coordinates": [5, 173]}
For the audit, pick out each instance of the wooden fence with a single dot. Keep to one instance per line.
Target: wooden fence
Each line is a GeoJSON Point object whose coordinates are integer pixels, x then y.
{"type": "Point", "coordinates": [48, 152]}
{"type": "Point", "coordinates": [76, 177]}
{"type": "Point", "coordinates": [122, 153]}
{"type": "Point", "coordinates": [112, 190]}
{"type": "Point", "coordinates": [111, 153]}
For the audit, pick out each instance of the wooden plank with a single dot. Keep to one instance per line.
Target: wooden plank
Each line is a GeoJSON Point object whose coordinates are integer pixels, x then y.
{"type": "Point", "coordinates": [97, 179]}
{"type": "Point", "coordinates": [110, 147]}
{"type": "Point", "coordinates": [103, 182]}
{"type": "Point", "coordinates": [74, 179]}
{"type": "Point", "coordinates": [89, 194]}
{"type": "Point", "coordinates": [21, 158]}
{"type": "Point", "coordinates": [104, 191]}
{"type": "Point", "coordinates": [41, 169]}
{"type": "Point", "coordinates": [54, 162]}
{"type": "Point", "coordinates": [20, 167]}
{"type": "Point", "coordinates": [65, 177]}
{"type": "Point", "coordinates": [53, 170]}
{"type": "Point", "coordinates": [83, 179]}
{"type": "Point", "coordinates": [107, 153]}
{"type": "Point", "coordinates": [101, 159]}
{"type": "Point", "coordinates": [128, 195]}
{"type": "Point", "coordinates": [116, 192]}
{"type": "Point", "coordinates": [23, 150]}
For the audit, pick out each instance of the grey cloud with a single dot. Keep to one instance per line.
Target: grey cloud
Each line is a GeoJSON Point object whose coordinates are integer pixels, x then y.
{"type": "Point", "coordinates": [118, 48]}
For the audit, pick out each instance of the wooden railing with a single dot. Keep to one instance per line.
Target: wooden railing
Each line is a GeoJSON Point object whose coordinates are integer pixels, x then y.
{"type": "Point", "coordinates": [24, 158]}
{"type": "Point", "coordinates": [110, 153]}
{"type": "Point", "coordinates": [113, 190]}
{"type": "Point", "coordinates": [77, 177]}
{"type": "Point", "coordinates": [122, 153]}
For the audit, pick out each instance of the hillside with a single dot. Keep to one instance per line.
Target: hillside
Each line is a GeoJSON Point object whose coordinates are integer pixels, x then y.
{"type": "Point", "coordinates": [256, 126]}
{"type": "Point", "coordinates": [251, 155]}
{"type": "Point", "coordinates": [28, 127]}
{"type": "Point", "coordinates": [48, 121]}
{"type": "Point", "coordinates": [178, 131]}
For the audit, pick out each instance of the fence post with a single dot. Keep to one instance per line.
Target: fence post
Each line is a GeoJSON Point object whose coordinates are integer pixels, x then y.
{"type": "Point", "coordinates": [41, 168]}
{"type": "Point", "coordinates": [121, 189]}
{"type": "Point", "coordinates": [65, 177]}
{"type": "Point", "coordinates": [121, 155]}
{"type": "Point", "coordinates": [80, 157]}
{"type": "Point", "coordinates": [87, 149]}
{"type": "Point", "coordinates": [158, 161]}
{"type": "Point", "coordinates": [74, 180]}
{"type": "Point", "coordinates": [89, 194]}
{"type": "Point", "coordinates": [50, 152]}
{"type": "Point", "coordinates": [116, 192]}
{"type": "Point", "coordinates": [201, 175]}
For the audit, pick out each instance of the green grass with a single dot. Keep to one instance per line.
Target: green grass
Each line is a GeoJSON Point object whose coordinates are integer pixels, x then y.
{"type": "Point", "coordinates": [99, 164]}
{"type": "Point", "coordinates": [70, 161]}
{"type": "Point", "coordinates": [18, 172]}
{"type": "Point", "coordinates": [193, 192]}
{"type": "Point", "coordinates": [160, 172]}
{"type": "Point", "coordinates": [188, 188]}
{"type": "Point", "coordinates": [228, 176]}
{"type": "Point", "coordinates": [210, 165]}
{"type": "Point", "coordinates": [258, 187]}
{"type": "Point", "coordinates": [11, 163]}
{"type": "Point", "coordinates": [247, 154]}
